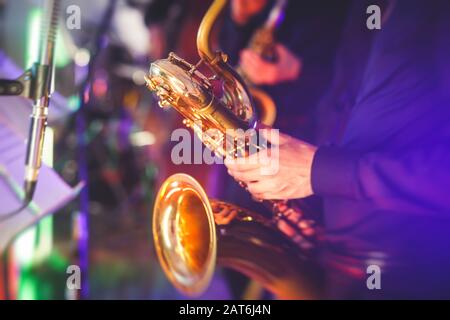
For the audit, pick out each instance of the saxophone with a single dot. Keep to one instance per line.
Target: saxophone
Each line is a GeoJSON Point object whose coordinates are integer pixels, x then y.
{"type": "Point", "coordinates": [263, 43]}
{"type": "Point", "coordinates": [263, 40]}
{"type": "Point", "coordinates": [187, 239]}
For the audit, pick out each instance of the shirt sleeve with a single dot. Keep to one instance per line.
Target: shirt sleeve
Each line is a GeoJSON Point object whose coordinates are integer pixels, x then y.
{"type": "Point", "coordinates": [416, 180]}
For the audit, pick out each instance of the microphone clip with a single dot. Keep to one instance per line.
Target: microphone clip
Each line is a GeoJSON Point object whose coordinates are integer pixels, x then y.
{"type": "Point", "coordinates": [32, 84]}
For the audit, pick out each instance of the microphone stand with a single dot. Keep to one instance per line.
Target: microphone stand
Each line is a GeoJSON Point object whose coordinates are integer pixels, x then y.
{"type": "Point", "coordinates": [36, 84]}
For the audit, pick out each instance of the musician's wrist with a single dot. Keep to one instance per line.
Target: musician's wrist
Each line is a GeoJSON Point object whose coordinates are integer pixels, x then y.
{"type": "Point", "coordinates": [306, 155]}
{"type": "Point", "coordinates": [333, 172]}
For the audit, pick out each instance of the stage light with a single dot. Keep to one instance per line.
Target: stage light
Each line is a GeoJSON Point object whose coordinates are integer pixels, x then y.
{"type": "Point", "coordinates": [142, 138]}
{"type": "Point", "coordinates": [82, 57]}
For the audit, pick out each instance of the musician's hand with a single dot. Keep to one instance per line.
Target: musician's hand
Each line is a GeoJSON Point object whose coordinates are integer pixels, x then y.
{"type": "Point", "coordinates": [243, 10]}
{"type": "Point", "coordinates": [287, 68]}
{"type": "Point", "coordinates": [282, 174]}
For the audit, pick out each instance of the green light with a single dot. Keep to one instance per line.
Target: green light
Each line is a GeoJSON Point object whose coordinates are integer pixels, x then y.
{"type": "Point", "coordinates": [28, 289]}
{"type": "Point", "coordinates": [45, 242]}
{"type": "Point", "coordinates": [74, 103]}
{"type": "Point", "coordinates": [62, 57]}
{"type": "Point", "coordinates": [24, 247]}
{"type": "Point", "coordinates": [34, 20]}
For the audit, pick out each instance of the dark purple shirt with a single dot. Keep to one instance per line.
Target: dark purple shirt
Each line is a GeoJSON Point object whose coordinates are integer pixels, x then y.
{"type": "Point", "coordinates": [383, 167]}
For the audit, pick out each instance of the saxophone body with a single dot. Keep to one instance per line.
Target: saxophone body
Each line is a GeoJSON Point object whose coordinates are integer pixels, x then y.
{"type": "Point", "coordinates": [188, 239]}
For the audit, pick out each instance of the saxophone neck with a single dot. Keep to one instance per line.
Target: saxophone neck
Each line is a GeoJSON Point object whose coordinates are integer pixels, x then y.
{"type": "Point", "coordinates": [263, 40]}
{"type": "Point", "coordinates": [204, 32]}
{"type": "Point", "coordinates": [276, 15]}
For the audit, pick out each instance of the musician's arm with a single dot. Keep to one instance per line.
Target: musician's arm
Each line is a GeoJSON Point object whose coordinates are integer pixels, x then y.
{"type": "Point", "coordinates": [416, 180]}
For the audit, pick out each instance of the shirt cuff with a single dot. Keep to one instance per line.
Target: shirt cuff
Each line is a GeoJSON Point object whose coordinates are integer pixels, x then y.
{"type": "Point", "coordinates": [334, 172]}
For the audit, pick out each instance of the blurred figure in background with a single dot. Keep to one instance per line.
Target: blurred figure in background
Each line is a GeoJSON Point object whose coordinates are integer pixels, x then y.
{"type": "Point", "coordinates": [305, 46]}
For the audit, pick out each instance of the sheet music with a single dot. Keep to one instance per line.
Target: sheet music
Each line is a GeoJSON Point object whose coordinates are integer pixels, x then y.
{"type": "Point", "coordinates": [51, 194]}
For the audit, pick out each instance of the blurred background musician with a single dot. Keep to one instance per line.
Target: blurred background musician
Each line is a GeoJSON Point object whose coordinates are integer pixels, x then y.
{"type": "Point", "coordinates": [306, 40]}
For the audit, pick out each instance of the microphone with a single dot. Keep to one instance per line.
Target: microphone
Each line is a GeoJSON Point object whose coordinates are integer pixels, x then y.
{"type": "Point", "coordinates": [42, 74]}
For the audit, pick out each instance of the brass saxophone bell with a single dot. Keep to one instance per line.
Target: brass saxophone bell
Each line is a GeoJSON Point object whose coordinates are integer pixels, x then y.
{"type": "Point", "coordinates": [184, 234]}
{"type": "Point", "coordinates": [190, 240]}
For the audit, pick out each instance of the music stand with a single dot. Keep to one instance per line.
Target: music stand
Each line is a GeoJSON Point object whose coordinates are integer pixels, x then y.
{"type": "Point", "coordinates": [52, 192]}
